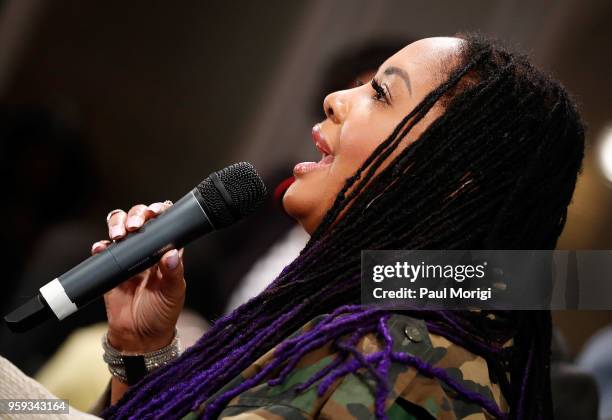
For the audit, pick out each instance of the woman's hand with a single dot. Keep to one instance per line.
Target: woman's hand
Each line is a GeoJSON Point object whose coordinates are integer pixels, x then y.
{"type": "Point", "coordinates": [142, 311]}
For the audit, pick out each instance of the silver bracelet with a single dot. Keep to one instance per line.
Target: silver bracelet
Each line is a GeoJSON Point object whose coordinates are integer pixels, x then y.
{"type": "Point", "coordinates": [131, 367]}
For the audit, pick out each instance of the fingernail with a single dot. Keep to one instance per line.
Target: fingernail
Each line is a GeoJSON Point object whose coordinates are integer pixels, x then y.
{"type": "Point", "coordinates": [172, 260]}
{"type": "Point", "coordinates": [156, 207]}
{"type": "Point", "coordinates": [134, 222]}
{"type": "Point", "coordinates": [115, 231]}
{"type": "Point", "coordinates": [95, 247]}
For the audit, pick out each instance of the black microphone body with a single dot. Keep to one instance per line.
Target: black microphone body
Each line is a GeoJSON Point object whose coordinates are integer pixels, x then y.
{"type": "Point", "coordinates": [211, 205]}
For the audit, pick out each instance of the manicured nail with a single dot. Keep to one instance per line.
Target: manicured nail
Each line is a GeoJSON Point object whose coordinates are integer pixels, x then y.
{"type": "Point", "coordinates": [135, 222]}
{"type": "Point", "coordinates": [156, 207]}
{"type": "Point", "coordinates": [172, 260]}
{"type": "Point", "coordinates": [116, 231]}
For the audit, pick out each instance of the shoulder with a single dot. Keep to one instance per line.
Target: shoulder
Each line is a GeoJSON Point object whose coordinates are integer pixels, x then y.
{"type": "Point", "coordinates": [412, 387]}
{"type": "Point", "coordinates": [412, 394]}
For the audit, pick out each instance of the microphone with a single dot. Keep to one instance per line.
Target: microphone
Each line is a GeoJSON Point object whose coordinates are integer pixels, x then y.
{"type": "Point", "coordinates": [221, 199]}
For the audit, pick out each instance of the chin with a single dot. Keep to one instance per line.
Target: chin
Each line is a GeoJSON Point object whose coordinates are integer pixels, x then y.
{"type": "Point", "coordinates": [299, 206]}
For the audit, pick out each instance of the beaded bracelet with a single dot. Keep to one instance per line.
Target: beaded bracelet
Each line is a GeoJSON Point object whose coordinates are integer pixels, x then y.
{"type": "Point", "coordinates": [130, 368]}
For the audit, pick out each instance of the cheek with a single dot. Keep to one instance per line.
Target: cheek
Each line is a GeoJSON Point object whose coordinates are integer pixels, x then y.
{"type": "Point", "coordinates": [365, 131]}
{"type": "Point", "coordinates": [358, 138]}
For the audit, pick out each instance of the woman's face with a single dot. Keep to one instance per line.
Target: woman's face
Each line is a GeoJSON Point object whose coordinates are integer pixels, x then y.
{"type": "Point", "coordinates": [359, 119]}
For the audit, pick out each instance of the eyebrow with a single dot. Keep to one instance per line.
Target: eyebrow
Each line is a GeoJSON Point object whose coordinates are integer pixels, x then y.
{"type": "Point", "coordinates": [401, 73]}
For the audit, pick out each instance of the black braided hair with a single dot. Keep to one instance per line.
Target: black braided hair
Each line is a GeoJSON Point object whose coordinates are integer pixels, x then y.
{"type": "Point", "coordinates": [496, 170]}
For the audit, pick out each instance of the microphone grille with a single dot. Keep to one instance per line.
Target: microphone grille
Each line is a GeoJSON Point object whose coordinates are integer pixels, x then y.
{"type": "Point", "coordinates": [231, 193]}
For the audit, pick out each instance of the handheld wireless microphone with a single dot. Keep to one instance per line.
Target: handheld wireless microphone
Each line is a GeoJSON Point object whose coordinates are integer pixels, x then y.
{"type": "Point", "coordinates": [221, 199]}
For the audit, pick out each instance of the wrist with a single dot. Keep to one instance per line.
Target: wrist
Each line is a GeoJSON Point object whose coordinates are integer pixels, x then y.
{"type": "Point", "coordinates": [128, 342]}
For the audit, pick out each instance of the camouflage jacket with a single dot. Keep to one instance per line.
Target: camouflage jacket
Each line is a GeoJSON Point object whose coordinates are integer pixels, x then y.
{"type": "Point", "coordinates": [412, 396]}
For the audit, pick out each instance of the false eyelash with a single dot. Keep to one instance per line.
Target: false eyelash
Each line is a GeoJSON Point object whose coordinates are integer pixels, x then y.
{"type": "Point", "coordinates": [380, 95]}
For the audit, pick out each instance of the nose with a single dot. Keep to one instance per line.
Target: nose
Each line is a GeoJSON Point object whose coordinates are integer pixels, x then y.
{"type": "Point", "coordinates": [335, 106]}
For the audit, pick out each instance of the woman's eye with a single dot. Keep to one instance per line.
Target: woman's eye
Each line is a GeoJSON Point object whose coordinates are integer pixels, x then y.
{"type": "Point", "coordinates": [379, 92]}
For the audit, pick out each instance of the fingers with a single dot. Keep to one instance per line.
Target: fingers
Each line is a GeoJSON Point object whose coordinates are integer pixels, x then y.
{"type": "Point", "coordinates": [137, 216]}
{"type": "Point", "coordinates": [171, 268]}
{"type": "Point", "coordinates": [120, 222]}
{"type": "Point", "coordinates": [140, 214]}
{"type": "Point", "coordinates": [116, 224]}
{"type": "Point", "coordinates": [159, 208]}
{"type": "Point", "coordinates": [99, 246]}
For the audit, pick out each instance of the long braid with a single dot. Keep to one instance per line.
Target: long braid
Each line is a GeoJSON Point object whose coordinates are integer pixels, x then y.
{"type": "Point", "coordinates": [495, 170]}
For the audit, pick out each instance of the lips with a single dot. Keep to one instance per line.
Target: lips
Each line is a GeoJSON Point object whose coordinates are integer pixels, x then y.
{"type": "Point", "coordinates": [327, 156]}
{"type": "Point", "coordinates": [320, 141]}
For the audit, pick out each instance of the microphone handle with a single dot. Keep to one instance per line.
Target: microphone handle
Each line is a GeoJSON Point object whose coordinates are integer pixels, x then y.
{"type": "Point", "coordinates": [173, 229]}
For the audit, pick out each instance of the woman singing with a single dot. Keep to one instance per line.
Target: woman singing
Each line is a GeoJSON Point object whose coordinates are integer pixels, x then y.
{"type": "Point", "coordinates": [456, 143]}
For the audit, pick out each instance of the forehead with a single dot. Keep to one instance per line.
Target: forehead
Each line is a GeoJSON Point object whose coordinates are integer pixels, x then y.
{"type": "Point", "coordinates": [423, 57]}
